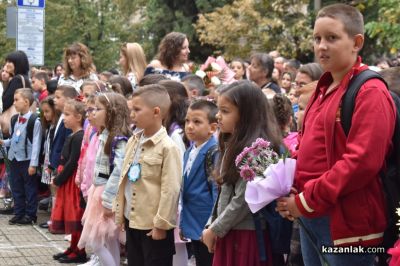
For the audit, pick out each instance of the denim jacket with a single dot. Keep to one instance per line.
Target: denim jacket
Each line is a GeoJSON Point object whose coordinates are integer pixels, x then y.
{"type": "Point", "coordinates": [102, 175]}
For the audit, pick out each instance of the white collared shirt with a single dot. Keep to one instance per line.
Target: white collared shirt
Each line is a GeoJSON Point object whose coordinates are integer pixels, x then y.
{"type": "Point", "coordinates": [192, 157]}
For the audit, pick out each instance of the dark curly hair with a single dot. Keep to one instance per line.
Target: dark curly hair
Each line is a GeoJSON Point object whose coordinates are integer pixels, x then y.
{"type": "Point", "coordinates": [20, 61]}
{"type": "Point", "coordinates": [170, 47]}
{"type": "Point", "coordinates": [117, 117]}
{"type": "Point", "coordinates": [283, 110]}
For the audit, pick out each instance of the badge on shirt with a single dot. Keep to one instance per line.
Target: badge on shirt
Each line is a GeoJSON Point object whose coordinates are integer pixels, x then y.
{"type": "Point", "coordinates": [134, 172]}
{"type": "Point", "coordinates": [17, 135]}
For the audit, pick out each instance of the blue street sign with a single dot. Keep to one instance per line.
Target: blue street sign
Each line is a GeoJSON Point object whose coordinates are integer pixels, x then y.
{"type": "Point", "coordinates": [31, 3]}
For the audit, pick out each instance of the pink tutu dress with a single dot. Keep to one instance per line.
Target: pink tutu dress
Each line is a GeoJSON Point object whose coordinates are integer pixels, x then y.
{"type": "Point", "coordinates": [96, 228]}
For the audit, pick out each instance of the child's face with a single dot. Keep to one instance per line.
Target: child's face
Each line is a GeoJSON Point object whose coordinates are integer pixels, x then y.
{"type": "Point", "coordinates": [228, 115]}
{"type": "Point", "coordinates": [335, 49]}
{"type": "Point", "coordinates": [99, 116]}
{"type": "Point", "coordinates": [21, 104]}
{"type": "Point", "coordinates": [237, 67]}
{"type": "Point", "coordinates": [303, 100]}
{"type": "Point", "coordinates": [90, 110]}
{"type": "Point", "coordinates": [47, 112]}
{"type": "Point", "coordinates": [292, 96]}
{"type": "Point", "coordinates": [142, 114]}
{"type": "Point", "coordinates": [59, 100]}
{"type": "Point", "coordinates": [37, 84]}
{"type": "Point", "coordinates": [286, 81]}
{"type": "Point", "coordinates": [197, 126]}
{"type": "Point", "coordinates": [87, 91]}
{"type": "Point", "coordinates": [72, 120]}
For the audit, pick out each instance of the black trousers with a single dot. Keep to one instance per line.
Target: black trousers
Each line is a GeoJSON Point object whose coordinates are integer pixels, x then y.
{"type": "Point", "coordinates": [142, 250]}
{"type": "Point", "coordinates": [201, 254]}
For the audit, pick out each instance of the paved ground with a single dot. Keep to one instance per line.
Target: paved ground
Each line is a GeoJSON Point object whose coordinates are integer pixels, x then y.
{"type": "Point", "coordinates": [29, 245]}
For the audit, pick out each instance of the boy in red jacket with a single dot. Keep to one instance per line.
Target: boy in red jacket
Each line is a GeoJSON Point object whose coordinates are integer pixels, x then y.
{"type": "Point", "coordinates": [341, 200]}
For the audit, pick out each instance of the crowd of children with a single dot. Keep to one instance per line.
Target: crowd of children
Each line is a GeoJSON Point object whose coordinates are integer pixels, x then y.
{"type": "Point", "coordinates": [148, 163]}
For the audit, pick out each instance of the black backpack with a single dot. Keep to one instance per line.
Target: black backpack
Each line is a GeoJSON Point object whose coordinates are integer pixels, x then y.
{"type": "Point", "coordinates": [391, 177]}
{"type": "Point", "coordinates": [209, 164]}
{"type": "Point", "coordinates": [29, 128]}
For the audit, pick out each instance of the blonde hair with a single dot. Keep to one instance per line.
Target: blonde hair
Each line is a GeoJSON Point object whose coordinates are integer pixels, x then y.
{"type": "Point", "coordinates": [135, 59]}
{"type": "Point", "coordinates": [77, 107]}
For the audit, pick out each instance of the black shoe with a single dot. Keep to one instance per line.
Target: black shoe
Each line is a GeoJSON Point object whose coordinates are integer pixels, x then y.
{"type": "Point", "coordinates": [73, 258]}
{"type": "Point", "coordinates": [44, 225]}
{"type": "Point", "coordinates": [14, 219]}
{"type": "Point", "coordinates": [26, 220]}
{"type": "Point", "coordinates": [62, 254]}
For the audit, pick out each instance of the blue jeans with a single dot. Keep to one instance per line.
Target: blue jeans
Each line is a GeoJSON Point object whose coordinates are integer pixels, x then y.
{"type": "Point", "coordinates": [320, 235]}
{"type": "Point", "coordinates": [24, 189]}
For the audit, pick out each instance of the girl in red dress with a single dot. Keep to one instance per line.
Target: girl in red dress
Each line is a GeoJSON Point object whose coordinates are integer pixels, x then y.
{"type": "Point", "coordinates": [67, 213]}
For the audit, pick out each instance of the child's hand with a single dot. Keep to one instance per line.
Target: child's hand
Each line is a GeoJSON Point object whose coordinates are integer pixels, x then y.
{"type": "Point", "coordinates": [31, 170]}
{"type": "Point", "coordinates": [157, 234]}
{"type": "Point", "coordinates": [78, 182]}
{"type": "Point", "coordinates": [287, 208]}
{"type": "Point", "coordinates": [209, 238]}
{"type": "Point", "coordinates": [1, 142]}
{"type": "Point", "coordinates": [107, 213]}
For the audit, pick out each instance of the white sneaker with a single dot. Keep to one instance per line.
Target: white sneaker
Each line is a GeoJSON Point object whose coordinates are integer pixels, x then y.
{"type": "Point", "coordinates": [67, 238]}
{"type": "Point", "coordinates": [94, 261]}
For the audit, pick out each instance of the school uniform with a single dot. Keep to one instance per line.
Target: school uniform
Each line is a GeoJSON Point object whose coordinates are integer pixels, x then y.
{"type": "Point", "coordinates": [23, 154]}
{"type": "Point", "coordinates": [57, 144]}
{"type": "Point", "coordinates": [198, 198]}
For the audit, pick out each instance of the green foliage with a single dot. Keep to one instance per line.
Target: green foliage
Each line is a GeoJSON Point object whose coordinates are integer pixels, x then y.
{"type": "Point", "coordinates": [162, 17]}
{"type": "Point", "coordinates": [386, 28]}
{"type": "Point", "coordinates": [6, 45]}
{"type": "Point", "coordinates": [246, 26]}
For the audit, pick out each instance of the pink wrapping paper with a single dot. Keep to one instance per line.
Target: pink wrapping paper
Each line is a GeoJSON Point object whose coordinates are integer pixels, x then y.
{"type": "Point", "coordinates": [277, 181]}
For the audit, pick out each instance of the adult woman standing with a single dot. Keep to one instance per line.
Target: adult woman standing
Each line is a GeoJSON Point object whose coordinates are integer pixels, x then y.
{"type": "Point", "coordinates": [173, 53]}
{"type": "Point", "coordinates": [133, 62]}
{"type": "Point", "coordinates": [78, 66]}
{"type": "Point", "coordinates": [260, 72]}
{"type": "Point", "coordinates": [17, 66]}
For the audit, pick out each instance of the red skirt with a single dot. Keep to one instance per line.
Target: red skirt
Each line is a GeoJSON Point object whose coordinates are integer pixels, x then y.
{"type": "Point", "coordinates": [239, 248]}
{"type": "Point", "coordinates": [67, 213]}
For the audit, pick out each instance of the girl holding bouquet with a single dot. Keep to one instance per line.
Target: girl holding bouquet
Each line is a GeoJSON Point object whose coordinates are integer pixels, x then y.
{"type": "Point", "coordinates": [230, 234]}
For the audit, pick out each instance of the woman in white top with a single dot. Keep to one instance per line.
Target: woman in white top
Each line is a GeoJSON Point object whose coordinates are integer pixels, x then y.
{"type": "Point", "coordinates": [78, 66]}
{"type": "Point", "coordinates": [133, 62]}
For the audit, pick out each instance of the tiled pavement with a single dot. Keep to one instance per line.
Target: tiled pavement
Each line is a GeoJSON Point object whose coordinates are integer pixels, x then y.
{"type": "Point", "coordinates": [29, 245]}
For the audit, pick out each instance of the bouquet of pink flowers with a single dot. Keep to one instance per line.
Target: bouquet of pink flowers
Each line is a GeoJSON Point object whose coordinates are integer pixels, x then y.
{"type": "Point", "coordinates": [253, 161]}
{"type": "Point", "coordinates": [268, 176]}
{"type": "Point", "coordinates": [215, 71]}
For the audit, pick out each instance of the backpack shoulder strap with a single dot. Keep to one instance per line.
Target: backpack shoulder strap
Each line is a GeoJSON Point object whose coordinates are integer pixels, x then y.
{"type": "Point", "coordinates": [12, 122]}
{"type": "Point", "coordinates": [209, 164]}
{"type": "Point", "coordinates": [349, 98]}
{"type": "Point", "coordinates": [113, 147]}
{"type": "Point", "coordinates": [30, 126]}
{"type": "Point", "coordinates": [29, 131]}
